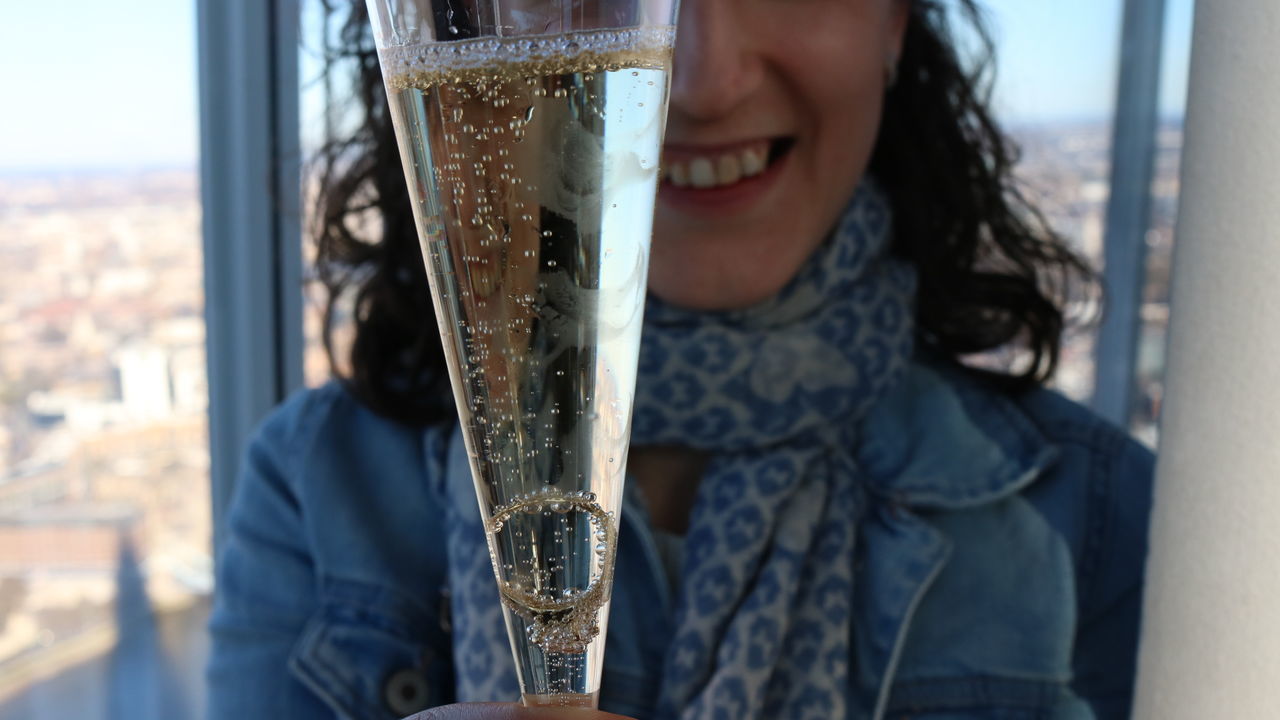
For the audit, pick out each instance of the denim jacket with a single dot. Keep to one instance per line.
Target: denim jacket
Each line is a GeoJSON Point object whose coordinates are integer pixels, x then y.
{"type": "Point", "coordinates": [1011, 590]}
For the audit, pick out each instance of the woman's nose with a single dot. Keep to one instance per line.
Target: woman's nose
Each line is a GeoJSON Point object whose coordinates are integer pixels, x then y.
{"type": "Point", "coordinates": [716, 65]}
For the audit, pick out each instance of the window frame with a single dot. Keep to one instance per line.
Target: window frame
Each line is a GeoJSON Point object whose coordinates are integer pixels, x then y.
{"type": "Point", "coordinates": [250, 173]}
{"type": "Point", "coordinates": [1128, 218]}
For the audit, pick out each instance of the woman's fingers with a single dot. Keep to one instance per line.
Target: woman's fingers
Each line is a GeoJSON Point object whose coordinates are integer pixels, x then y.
{"type": "Point", "coordinates": [510, 711]}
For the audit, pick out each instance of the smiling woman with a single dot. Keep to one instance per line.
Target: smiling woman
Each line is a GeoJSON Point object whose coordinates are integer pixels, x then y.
{"type": "Point", "coordinates": [749, 94]}
{"type": "Point", "coordinates": [826, 511]}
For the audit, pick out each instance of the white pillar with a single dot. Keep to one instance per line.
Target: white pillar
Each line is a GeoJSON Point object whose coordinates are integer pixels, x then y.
{"type": "Point", "coordinates": [1211, 633]}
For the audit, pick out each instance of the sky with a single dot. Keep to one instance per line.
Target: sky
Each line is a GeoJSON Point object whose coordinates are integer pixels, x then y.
{"type": "Point", "coordinates": [1057, 58]}
{"type": "Point", "coordinates": [91, 84]}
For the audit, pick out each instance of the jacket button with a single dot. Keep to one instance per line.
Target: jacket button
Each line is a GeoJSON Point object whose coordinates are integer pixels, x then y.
{"type": "Point", "coordinates": [406, 691]}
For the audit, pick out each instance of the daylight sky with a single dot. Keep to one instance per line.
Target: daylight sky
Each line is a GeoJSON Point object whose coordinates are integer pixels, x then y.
{"type": "Point", "coordinates": [91, 84]}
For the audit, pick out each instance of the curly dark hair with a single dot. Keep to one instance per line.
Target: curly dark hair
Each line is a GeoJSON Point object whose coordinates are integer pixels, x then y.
{"type": "Point", "coordinates": [992, 273]}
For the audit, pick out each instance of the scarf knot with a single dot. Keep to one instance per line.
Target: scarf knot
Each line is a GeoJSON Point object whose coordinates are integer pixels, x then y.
{"type": "Point", "coordinates": [812, 358]}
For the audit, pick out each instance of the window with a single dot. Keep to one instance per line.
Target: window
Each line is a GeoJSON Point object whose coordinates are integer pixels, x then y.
{"type": "Point", "coordinates": [104, 463]}
{"type": "Point", "coordinates": [322, 89]}
{"type": "Point", "coordinates": [1056, 95]}
{"type": "Point", "coordinates": [1056, 92]}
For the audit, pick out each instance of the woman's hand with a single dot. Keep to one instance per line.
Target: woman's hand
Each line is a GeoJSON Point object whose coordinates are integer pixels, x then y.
{"type": "Point", "coordinates": [510, 711]}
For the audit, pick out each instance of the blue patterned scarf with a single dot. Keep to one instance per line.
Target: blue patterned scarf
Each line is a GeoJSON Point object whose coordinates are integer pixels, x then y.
{"type": "Point", "coordinates": [774, 393]}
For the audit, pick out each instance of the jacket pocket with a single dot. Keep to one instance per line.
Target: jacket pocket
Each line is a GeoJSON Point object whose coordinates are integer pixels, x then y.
{"type": "Point", "coordinates": [984, 698]}
{"type": "Point", "coordinates": [370, 655]}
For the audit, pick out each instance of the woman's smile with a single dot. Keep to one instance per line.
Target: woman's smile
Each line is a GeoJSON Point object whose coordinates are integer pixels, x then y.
{"type": "Point", "coordinates": [767, 138]}
{"type": "Point", "coordinates": [722, 178]}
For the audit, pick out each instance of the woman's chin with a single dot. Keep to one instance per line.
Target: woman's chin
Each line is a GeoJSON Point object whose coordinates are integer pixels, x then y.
{"type": "Point", "coordinates": [710, 292]}
{"type": "Point", "coordinates": [733, 267]}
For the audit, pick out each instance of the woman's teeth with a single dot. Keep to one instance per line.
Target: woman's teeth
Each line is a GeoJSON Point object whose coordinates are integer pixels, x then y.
{"type": "Point", "coordinates": [709, 171]}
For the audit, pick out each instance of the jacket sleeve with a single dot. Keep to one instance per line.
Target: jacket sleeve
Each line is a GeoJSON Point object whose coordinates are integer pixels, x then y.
{"type": "Point", "coordinates": [266, 582]}
{"type": "Point", "coordinates": [1116, 549]}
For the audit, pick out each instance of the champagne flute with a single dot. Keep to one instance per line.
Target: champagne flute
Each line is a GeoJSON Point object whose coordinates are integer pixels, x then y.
{"type": "Point", "coordinates": [530, 133]}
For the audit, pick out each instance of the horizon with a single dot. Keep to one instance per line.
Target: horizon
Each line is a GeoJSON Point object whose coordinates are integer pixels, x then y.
{"type": "Point", "coordinates": [193, 164]}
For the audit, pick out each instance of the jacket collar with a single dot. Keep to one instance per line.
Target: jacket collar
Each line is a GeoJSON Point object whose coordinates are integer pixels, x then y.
{"type": "Point", "coordinates": [938, 440]}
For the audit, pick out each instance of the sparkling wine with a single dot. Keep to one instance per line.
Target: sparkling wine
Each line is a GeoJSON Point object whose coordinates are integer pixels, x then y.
{"type": "Point", "coordinates": [533, 162]}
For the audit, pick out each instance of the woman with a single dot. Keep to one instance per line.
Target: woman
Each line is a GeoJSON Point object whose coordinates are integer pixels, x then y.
{"type": "Point", "coordinates": [829, 514]}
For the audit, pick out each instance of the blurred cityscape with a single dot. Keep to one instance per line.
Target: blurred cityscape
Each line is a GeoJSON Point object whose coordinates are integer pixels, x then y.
{"type": "Point", "coordinates": [1064, 170]}
{"type": "Point", "coordinates": [103, 443]}
{"type": "Point", "coordinates": [104, 497]}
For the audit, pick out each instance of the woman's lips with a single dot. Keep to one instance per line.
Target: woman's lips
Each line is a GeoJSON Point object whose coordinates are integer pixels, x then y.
{"type": "Point", "coordinates": [723, 177]}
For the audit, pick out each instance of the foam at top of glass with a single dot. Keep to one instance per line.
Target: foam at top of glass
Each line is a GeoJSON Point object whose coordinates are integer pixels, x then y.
{"type": "Point", "coordinates": [427, 64]}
